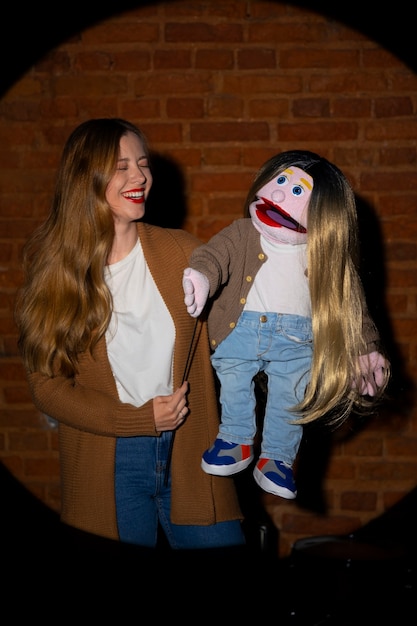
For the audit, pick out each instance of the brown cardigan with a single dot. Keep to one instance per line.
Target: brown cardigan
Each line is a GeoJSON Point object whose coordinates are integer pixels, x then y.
{"type": "Point", "coordinates": [234, 256]}
{"type": "Point", "coordinates": [91, 416]}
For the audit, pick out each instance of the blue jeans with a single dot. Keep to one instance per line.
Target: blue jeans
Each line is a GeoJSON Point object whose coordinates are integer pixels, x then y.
{"type": "Point", "coordinates": [281, 346]}
{"type": "Point", "coordinates": [143, 499]}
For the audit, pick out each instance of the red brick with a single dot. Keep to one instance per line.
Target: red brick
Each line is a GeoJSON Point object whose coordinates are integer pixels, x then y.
{"type": "Point", "coordinates": [311, 107]}
{"type": "Point", "coordinates": [185, 108]}
{"type": "Point", "coordinates": [214, 59]}
{"type": "Point", "coordinates": [95, 85]}
{"type": "Point", "coordinates": [319, 58]}
{"type": "Point", "coordinates": [229, 131]}
{"type": "Point", "coordinates": [41, 466]}
{"type": "Point", "coordinates": [222, 156]}
{"type": "Point", "coordinates": [352, 107]}
{"type": "Point", "coordinates": [256, 58]}
{"type": "Point", "coordinates": [131, 61]}
{"type": "Point", "coordinates": [115, 31]}
{"type": "Point", "coordinates": [201, 32]}
{"type": "Point", "coordinates": [171, 59]}
{"type": "Point", "coordinates": [358, 501]}
{"type": "Point", "coordinates": [216, 182]}
{"type": "Point", "coordinates": [28, 442]}
{"type": "Point", "coordinates": [225, 106]}
{"type": "Point", "coordinates": [393, 107]}
{"type": "Point", "coordinates": [318, 131]}
{"type": "Point", "coordinates": [265, 107]}
{"type": "Point", "coordinates": [345, 83]}
{"type": "Point", "coordinates": [139, 109]}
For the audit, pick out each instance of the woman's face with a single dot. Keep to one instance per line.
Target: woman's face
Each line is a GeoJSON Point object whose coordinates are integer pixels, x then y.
{"type": "Point", "coordinates": [129, 186]}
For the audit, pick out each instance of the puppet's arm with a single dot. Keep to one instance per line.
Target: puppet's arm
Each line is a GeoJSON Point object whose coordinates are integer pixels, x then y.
{"type": "Point", "coordinates": [196, 290]}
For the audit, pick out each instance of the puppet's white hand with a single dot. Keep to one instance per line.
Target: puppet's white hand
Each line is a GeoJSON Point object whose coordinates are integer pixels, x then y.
{"type": "Point", "coordinates": [371, 375]}
{"type": "Point", "coordinates": [196, 289]}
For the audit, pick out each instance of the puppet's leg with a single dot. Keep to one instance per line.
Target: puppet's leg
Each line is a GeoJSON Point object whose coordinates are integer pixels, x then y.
{"type": "Point", "coordinates": [232, 450]}
{"type": "Point", "coordinates": [235, 362]}
{"type": "Point", "coordinates": [287, 365]}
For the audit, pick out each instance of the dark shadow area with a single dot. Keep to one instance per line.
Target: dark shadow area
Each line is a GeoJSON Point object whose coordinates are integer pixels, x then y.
{"type": "Point", "coordinates": [368, 577]}
{"type": "Point", "coordinates": [166, 204]}
{"type": "Point", "coordinates": [373, 274]}
{"type": "Point", "coordinates": [340, 581]}
{"type": "Point", "coordinates": [39, 28]}
{"type": "Point", "coordinates": [388, 28]}
{"type": "Point", "coordinates": [35, 35]}
{"type": "Point", "coordinates": [312, 461]}
{"type": "Point", "coordinates": [46, 561]}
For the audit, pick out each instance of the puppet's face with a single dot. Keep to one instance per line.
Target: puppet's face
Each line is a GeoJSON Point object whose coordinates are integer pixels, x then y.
{"type": "Point", "coordinates": [279, 212]}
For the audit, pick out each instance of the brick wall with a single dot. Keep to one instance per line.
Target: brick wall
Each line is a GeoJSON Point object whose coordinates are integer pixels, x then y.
{"type": "Point", "coordinates": [218, 88]}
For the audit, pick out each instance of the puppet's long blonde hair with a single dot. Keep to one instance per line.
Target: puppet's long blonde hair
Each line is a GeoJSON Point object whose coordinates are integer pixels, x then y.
{"type": "Point", "coordinates": [337, 297]}
{"type": "Point", "coordinates": [64, 305]}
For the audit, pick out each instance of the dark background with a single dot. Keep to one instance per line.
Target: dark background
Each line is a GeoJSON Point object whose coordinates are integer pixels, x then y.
{"type": "Point", "coordinates": [28, 32]}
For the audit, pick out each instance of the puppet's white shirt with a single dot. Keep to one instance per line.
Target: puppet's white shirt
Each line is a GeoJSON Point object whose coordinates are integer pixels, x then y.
{"type": "Point", "coordinates": [281, 285]}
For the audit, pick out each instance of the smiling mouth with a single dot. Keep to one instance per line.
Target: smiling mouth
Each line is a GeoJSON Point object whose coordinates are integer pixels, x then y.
{"type": "Point", "coordinates": [272, 215]}
{"type": "Point", "coordinates": [134, 194]}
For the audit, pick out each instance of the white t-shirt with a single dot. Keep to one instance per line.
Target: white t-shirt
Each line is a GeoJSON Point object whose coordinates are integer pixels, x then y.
{"type": "Point", "coordinates": [281, 285]}
{"type": "Point", "coordinates": [141, 334]}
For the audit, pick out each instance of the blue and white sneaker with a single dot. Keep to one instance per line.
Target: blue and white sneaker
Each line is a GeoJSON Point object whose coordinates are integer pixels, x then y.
{"type": "Point", "coordinates": [275, 477]}
{"type": "Point", "coordinates": [225, 458]}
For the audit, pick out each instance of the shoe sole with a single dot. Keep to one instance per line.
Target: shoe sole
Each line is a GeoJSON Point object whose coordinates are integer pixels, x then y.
{"type": "Point", "coordinates": [226, 470]}
{"type": "Point", "coordinates": [267, 485]}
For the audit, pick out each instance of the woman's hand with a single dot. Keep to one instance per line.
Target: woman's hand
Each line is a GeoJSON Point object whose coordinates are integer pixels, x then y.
{"type": "Point", "coordinates": [171, 411]}
{"type": "Point", "coordinates": [372, 370]}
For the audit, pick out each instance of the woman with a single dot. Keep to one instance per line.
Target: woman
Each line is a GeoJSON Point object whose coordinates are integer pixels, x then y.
{"type": "Point", "coordinates": [112, 355]}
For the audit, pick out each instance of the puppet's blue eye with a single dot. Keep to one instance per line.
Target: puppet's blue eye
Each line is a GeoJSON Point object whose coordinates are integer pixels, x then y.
{"type": "Point", "coordinates": [282, 180]}
{"type": "Point", "coordinates": [297, 190]}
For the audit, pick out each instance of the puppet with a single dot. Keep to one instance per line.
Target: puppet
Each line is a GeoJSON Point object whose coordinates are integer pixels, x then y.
{"type": "Point", "coordinates": [284, 297]}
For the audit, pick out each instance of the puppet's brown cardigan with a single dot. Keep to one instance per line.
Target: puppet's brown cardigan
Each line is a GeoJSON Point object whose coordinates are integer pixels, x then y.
{"type": "Point", "coordinates": [234, 256]}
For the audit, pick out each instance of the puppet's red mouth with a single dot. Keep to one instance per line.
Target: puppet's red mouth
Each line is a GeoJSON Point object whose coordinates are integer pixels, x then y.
{"type": "Point", "coordinates": [272, 215]}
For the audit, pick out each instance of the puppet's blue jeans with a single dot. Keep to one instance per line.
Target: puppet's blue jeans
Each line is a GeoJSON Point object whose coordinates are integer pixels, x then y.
{"type": "Point", "coordinates": [143, 498]}
{"type": "Point", "coordinates": [281, 346]}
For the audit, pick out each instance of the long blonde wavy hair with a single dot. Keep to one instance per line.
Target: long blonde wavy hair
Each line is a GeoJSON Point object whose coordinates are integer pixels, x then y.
{"type": "Point", "coordinates": [338, 301]}
{"type": "Point", "coordinates": [64, 305]}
